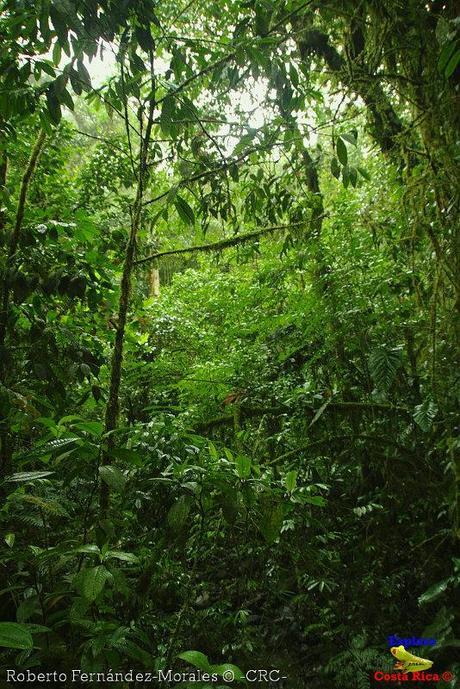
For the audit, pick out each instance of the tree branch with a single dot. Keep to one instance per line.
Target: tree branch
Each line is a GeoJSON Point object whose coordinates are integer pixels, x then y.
{"type": "Point", "coordinates": [249, 412]}
{"type": "Point", "coordinates": [221, 244]}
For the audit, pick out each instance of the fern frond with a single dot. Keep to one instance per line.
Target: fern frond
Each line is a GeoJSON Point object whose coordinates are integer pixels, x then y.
{"type": "Point", "coordinates": [50, 506]}
{"type": "Point", "coordinates": [383, 366]}
{"type": "Point", "coordinates": [51, 446]}
{"type": "Point", "coordinates": [425, 413]}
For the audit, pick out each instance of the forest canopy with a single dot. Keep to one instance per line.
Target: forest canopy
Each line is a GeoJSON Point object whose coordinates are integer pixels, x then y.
{"type": "Point", "coordinates": [229, 338]}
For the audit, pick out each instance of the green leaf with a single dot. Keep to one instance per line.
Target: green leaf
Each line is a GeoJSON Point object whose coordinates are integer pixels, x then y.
{"type": "Point", "coordinates": [75, 81]}
{"type": "Point", "coordinates": [120, 555]}
{"type": "Point", "coordinates": [271, 521]}
{"type": "Point", "coordinates": [113, 477]}
{"type": "Point", "coordinates": [24, 476]}
{"type": "Point", "coordinates": [228, 500]}
{"type": "Point", "coordinates": [445, 55]}
{"type": "Point", "coordinates": [14, 635]}
{"type": "Point", "coordinates": [84, 76]}
{"type": "Point", "coordinates": [94, 428]}
{"type": "Point", "coordinates": [314, 500]}
{"type": "Point", "coordinates": [335, 167]}
{"type": "Point", "coordinates": [168, 112]}
{"type": "Point", "coordinates": [37, 628]}
{"type": "Point", "coordinates": [226, 669]}
{"type": "Point", "coordinates": [353, 174]}
{"type": "Point", "coordinates": [452, 64]}
{"type": "Point", "coordinates": [290, 480]}
{"type": "Point", "coordinates": [178, 514]}
{"type": "Point", "coordinates": [262, 19]}
{"type": "Point", "coordinates": [188, 109]}
{"type": "Point", "coordinates": [383, 365]}
{"type": "Point", "coordinates": [243, 466]}
{"type": "Point", "coordinates": [364, 173]}
{"type": "Point", "coordinates": [128, 456]}
{"type": "Point", "coordinates": [434, 592]}
{"type": "Point", "coordinates": [46, 67]}
{"type": "Point", "coordinates": [424, 414]}
{"type": "Point", "coordinates": [136, 63]}
{"type": "Point", "coordinates": [89, 549]}
{"type": "Point", "coordinates": [320, 412]}
{"type": "Point", "coordinates": [144, 38]}
{"type": "Point", "coordinates": [91, 581]}
{"type": "Point", "coordinates": [54, 107]}
{"type": "Point", "coordinates": [213, 450]}
{"type": "Point", "coordinates": [351, 137]}
{"type": "Point", "coordinates": [196, 659]}
{"type": "Point", "coordinates": [57, 54]}
{"type": "Point", "coordinates": [43, 20]}
{"type": "Point", "coordinates": [134, 651]}
{"type": "Point", "coordinates": [85, 231]}
{"type": "Point", "coordinates": [342, 153]}
{"type": "Point", "coordinates": [184, 210]}
{"type": "Point", "coordinates": [66, 99]}
{"type": "Point", "coordinates": [9, 539]}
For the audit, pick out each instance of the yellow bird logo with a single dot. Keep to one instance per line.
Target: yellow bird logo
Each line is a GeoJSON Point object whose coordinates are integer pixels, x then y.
{"type": "Point", "coordinates": [408, 662]}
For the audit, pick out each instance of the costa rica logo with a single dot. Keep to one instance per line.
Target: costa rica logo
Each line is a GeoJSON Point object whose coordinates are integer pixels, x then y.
{"type": "Point", "coordinates": [410, 668]}
{"type": "Point", "coordinates": [408, 662]}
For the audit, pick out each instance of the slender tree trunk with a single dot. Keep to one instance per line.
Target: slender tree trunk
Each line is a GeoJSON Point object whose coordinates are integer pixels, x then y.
{"type": "Point", "coordinates": [14, 239]}
{"type": "Point", "coordinates": [154, 282]}
{"type": "Point", "coordinates": [113, 403]}
{"type": "Point", "coordinates": [5, 441]}
{"type": "Point", "coordinates": [3, 172]}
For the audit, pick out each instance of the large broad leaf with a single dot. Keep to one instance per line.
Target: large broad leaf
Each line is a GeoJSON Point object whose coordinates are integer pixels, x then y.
{"type": "Point", "coordinates": [433, 592]}
{"type": "Point", "coordinates": [83, 75]}
{"type": "Point", "coordinates": [113, 477]}
{"type": "Point", "coordinates": [184, 210]}
{"type": "Point", "coordinates": [342, 153]}
{"type": "Point", "coordinates": [227, 671]}
{"type": "Point", "coordinates": [178, 514]}
{"type": "Point", "coordinates": [88, 549]}
{"type": "Point", "coordinates": [91, 581]}
{"type": "Point", "coordinates": [452, 64]}
{"type": "Point", "coordinates": [290, 480]}
{"type": "Point", "coordinates": [243, 466]}
{"type": "Point", "coordinates": [351, 137]}
{"type": "Point", "coordinates": [314, 500]}
{"type": "Point", "coordinates": [168, 115]}
{"type": "Point", "coordinates": [196, 659]}
{"type": "Point", "coordinates": [94, 428]}
{"type": "Point", "coordinates": [53, 104]}
{"type": "Point", "coordinates": [14, 635]}
{"type": "Point", "coordinates": [129, 456]}
{"type": "Point", "coordinates": [335, 167]}
{"type": "Point", "coordinates": [271, 521]}
{"type": "Point", "coordinates": [85, 230]}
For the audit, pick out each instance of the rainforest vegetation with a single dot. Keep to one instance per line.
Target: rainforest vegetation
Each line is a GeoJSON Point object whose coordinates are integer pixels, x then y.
{"type": "Point", "coordinates": [229, 337]}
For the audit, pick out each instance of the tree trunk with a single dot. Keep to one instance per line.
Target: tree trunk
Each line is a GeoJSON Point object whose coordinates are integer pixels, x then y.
{"type": "Point", "coordinates": [5, 440]}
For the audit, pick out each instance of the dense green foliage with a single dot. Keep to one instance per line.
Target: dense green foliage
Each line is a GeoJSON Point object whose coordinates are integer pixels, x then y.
{"type": "Point", "coordinates": [229, 335]}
